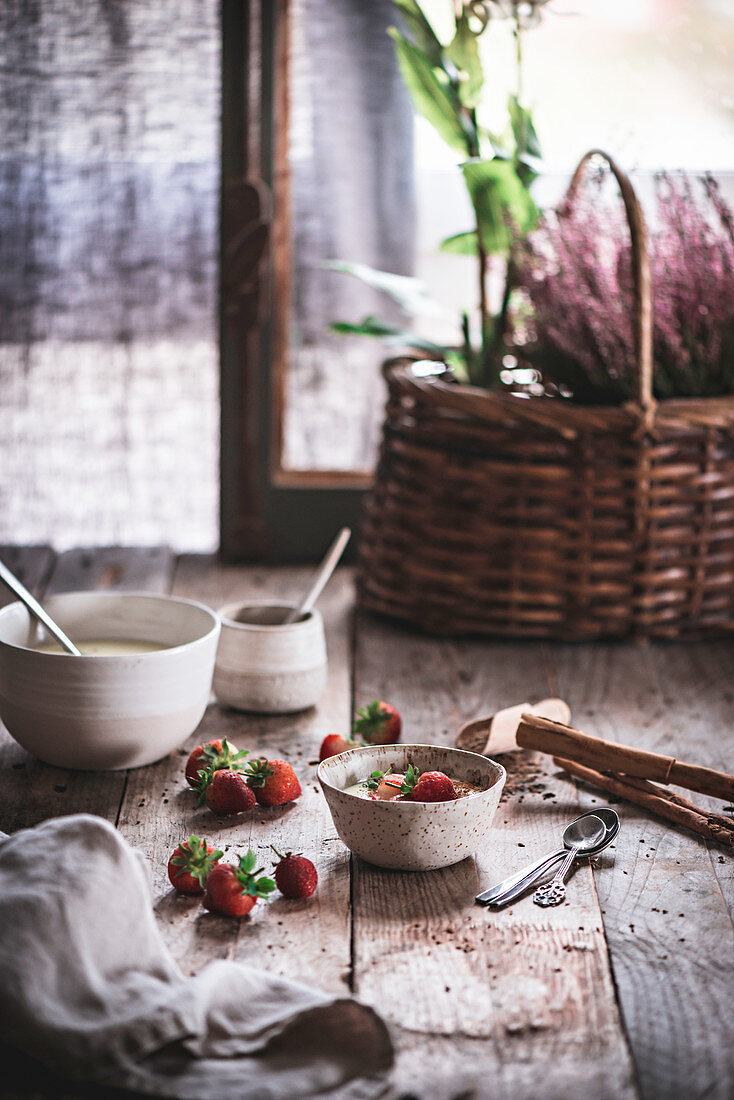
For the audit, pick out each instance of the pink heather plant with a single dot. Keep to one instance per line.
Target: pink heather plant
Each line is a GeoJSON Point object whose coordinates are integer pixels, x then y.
{"type": "Point", "coordinates": [576, 272]}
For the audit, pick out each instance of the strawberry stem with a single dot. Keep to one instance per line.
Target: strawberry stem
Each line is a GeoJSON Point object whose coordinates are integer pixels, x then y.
{"type": "Point", "coordinates": [370, 719]}
{"type": "Point", "coordinates": [412, 775]}
{"type": "Point", "coordinates": [251, 885]}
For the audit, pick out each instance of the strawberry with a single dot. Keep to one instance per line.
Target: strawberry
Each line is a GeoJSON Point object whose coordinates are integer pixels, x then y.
{"type": "Point", "coordinates": [234, 890]}
{"type": "Point", "coordinates": [334, 743]}
{"type": "Point", "coordinates": [210, 757]}
{"type": "Point", "coordinates": [273, 781]}
{"type": "Point", "coordinates": [295, 876]}
{"type": "Point", "coordinates": [428, 787]}
{"type": "Point", "coordinates": [378, 724]}
{"type": "Point", "coordinates": [190, 865]}
{"type": "Point", "coordinates": [228, 793]}
{"type": "Point", "coordinates": [385, 786]}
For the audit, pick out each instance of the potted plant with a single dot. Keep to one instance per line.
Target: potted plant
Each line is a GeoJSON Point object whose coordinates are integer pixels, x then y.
{"type": "Point", "coordinates": [446, 81]}
{"type": "Point", "coordinates": [599, 503]}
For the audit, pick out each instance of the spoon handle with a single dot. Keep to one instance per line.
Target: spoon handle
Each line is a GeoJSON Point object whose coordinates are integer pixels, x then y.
{"type": "Point", "coordinates": [554, 892]}
{"type": "Point", "coordinates": [325, 570]}
{"type": "Point", "coordinates": [521, 879]}
{"type": "Point", "coordinates": [524, 885]}
{"type": "Point", "coordinates": [36, 610]}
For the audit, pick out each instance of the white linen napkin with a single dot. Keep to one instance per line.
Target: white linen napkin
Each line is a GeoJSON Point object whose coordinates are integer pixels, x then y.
{"type": "Point", "coordinates": [88, 987]}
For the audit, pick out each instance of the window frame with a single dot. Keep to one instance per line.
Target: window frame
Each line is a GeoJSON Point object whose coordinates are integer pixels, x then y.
{"type": "Point", "coordinates": [267, 512]}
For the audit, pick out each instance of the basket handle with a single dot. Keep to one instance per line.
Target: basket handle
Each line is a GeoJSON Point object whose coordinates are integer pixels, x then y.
{"type": "Point", "coordinates": [642, 380]}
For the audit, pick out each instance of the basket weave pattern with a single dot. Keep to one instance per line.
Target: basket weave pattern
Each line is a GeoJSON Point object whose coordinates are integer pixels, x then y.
{"type": "Point", "coordinates": [532, 517]}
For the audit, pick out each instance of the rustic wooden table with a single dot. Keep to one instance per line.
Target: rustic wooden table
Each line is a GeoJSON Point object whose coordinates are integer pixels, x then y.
{"type": "Point", "coordinates": [624, 991]}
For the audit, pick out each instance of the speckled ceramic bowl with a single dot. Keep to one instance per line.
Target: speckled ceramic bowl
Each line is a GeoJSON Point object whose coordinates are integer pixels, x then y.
{"type": "Point", "coordinates": [412, 836]}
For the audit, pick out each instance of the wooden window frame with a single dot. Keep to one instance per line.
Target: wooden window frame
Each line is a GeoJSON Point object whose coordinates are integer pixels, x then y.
{"type": "Point", "coordinates": [267, 512]}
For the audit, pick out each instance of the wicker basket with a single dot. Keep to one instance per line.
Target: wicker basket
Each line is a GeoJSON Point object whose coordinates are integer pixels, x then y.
{"type": "Point", "coordinates": [533, 517]}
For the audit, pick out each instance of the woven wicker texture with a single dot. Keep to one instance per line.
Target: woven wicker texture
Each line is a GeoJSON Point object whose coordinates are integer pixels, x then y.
{"type": "Point", "coordinates": [531, 517]}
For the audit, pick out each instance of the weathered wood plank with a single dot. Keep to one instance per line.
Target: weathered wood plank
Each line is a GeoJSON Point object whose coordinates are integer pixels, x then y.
{"type": "Point", "coordinates": [307, 940]}
{"type": "Point", "coordinates": [485, 1004]}
{"type": "Point", "coordinates": [667, 925]}
{"type": "Point", "coordinates": [29, 790]}
{"type": "Point", "coordinates": [698, 692]}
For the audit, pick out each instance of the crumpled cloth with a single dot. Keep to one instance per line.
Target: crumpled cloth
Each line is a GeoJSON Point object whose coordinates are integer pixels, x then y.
{"type": "Point", "coordinates": [88, 987]}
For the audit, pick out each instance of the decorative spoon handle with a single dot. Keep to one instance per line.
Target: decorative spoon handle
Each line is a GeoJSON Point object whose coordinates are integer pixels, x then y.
{"type": "Point", "coordinates": [554, 892]}
{"type": "Point", "coordinates": [521, 879]}
{"type": "Point", "coordinates": [528, 880]}
{"type": "Point", "coordinates": [36, 610]}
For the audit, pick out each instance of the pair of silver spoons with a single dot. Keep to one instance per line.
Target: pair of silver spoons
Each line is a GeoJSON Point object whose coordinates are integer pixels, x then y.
{"type": "Point", "coordinates": [587, 836]}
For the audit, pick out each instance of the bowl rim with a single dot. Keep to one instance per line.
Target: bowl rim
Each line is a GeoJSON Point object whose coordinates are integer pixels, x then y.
{"type": "Point", "coordinates": [325, 782]}
{"type": "Point", "coordinates": [213, 631]}
{"type": "Point", "coordinates": [227, 609]}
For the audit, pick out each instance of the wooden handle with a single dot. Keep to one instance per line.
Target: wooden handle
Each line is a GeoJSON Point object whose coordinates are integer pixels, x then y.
{"type": "Point", "coordinates": [607, 756]}
{"type": "Point", "coordinates": [640, 273]}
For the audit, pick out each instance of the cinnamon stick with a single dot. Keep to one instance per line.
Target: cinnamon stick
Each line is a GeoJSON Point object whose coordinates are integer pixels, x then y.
{"type": "Point", "coordinates": [697, 820]}
{"type": "Point", "coordinates": [716, 819]}
{"type": "Point", "coordinates": [607, 756]}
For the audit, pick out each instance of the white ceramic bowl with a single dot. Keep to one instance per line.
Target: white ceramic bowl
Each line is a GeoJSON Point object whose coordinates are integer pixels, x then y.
{"type": "Point", "coordinates": [266, 666]}
{"type": "Point", "coordinates": [412, 836]}
{"type": "Point", "coordinates": [107, 712]}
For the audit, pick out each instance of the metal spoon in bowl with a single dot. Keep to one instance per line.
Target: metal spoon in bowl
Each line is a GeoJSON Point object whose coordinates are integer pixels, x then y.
{"type": "Point", "coordinates": [36, 610]}
{"type": "Point", "coordinates": [322, 575]}
{"type": "Point", "coordinates": [515, 885]}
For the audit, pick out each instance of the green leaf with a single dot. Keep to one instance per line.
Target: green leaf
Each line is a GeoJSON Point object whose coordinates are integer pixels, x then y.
{"type": "Point", "coordinates": [526, 139]}
{"type": "Point", "coordinates": [373, 326]}
{"type": "Point", "coordinates": [464, 52]}
{"type": "Point", "coordinates": [502, 203]}
{"type": "Point", "coordinates": [410, 293]}
{"type": "Point", "coordinates": [247, 863]}
{"type": "Point", "coordinates": [369, 326]}
{"type": "Point", "coordinates": [260, 888]}
{"type": "Point", "coordinates": [375, 779]}
{"type": "Point", "coordinates": [420, 29]}
{"type": "Point", "coordinates": [462, 244]}
{"type": "Point", "coordinates": [411, 778]}
{"type": "Point", "coordinates": [458, 365]}
{"type": "Point", "coordinates": [431, 98]}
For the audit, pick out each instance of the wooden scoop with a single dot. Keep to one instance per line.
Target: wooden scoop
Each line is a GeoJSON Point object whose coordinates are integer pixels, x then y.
{"type": "Point", "coordinates": [496, 734]}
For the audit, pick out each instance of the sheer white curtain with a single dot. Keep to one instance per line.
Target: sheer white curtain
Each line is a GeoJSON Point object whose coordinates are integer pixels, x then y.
{"type": "Point", "coordinates": [109, 166]}
{"type": "Point", "coordinates": [108, 213]}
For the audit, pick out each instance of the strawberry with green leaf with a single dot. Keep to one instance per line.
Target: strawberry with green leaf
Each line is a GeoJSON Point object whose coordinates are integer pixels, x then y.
{"type": "Point", "coordinates": [384, 786]}
{"type": "Point", "coordinates": [212, 756]}
{"type": "Point", "coordinates": [427, 787]}
{"type": "Point", "coordinates": [273, 781]}
{"type": "Point", "coordinates": [235, 890]}
{"type": "Point", "coordinates": [191, 864]}
{"type": "Point", "coordinates": [226, 793]}
{"type": "Point", "coordinates": [377, 724]}
{"type": "Point", "coordinates": [295, 875]}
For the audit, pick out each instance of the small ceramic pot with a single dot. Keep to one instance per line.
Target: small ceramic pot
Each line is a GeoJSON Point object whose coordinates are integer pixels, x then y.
{"type": "Point", "coordinates": [265, 666]}
{"type": "Point", "coordinates": [107, 712]}
{"type": "Point", "coordinates": [412, 836]}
